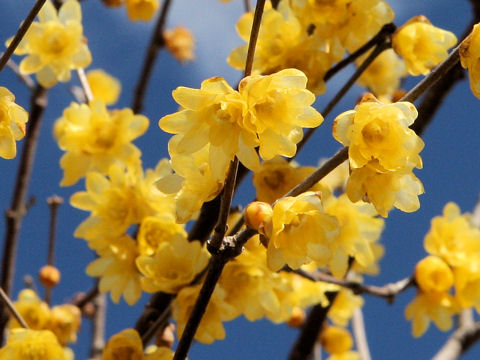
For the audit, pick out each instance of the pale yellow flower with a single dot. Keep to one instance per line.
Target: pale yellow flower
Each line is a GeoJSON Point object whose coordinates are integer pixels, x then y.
{"type": "Point", "coordinates": [65, 322]}
{"type": "Point", "coordinates": [95, 138]}
{"type": "Point", "coordinates": [141, 10]}
{"type": "Point", "coordinates": [154, 230]}
{"type": "Point", "coordinates": [126, 345]}
{"type": "Point", "coordinates": [55, 45]}
{"type": "Point", "coordinates": [12, 124]}
{"type": "Point", "coordinates": [422, 45]}
{"type": "Point", "coordinates": [104, 86]}
{"type": "Point", "coordinates": [34, 311]}
{"type": "Point", "coordinates": [27, 344]}
{"type": "Point", "coordinates": [470, 58]}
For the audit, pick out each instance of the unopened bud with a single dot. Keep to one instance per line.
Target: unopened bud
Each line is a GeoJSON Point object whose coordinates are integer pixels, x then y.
{"type": "Point", "coordinates": [49, 276]}
{"type": "Point", "coordinates": [257, 214]}
{"type": "Point", "coordinates": [112, 3]}
{"type": "Point", "coordinates": [167, 337]}
{"type": "Point", "coordinates": [180, 43]}
{"type": "Point", "coordinates": [297, 318]}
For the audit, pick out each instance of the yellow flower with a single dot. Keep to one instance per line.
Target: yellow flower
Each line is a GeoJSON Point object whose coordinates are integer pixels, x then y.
{"type": "Point", "coordinates": [117, 270]}
{"type": "Point", "coordinates": [422, 45]}
{"type": "Point", "coordinates": [384, 74]}
{"type": "Point", "coordinates": [336, 340]}
{"type": "Point", "coordinates": [300, 231]}
{"type": "Point", "coordinates": [467, 283]}
{"type": "Point", "coordinates": [438, 307]}
{"type": "Point", "coordinates": [12, 124]}
{"type": "Point", "coordinates": [26, 344]}
{"type": "Point", "coordinates": [432, 274]}
{"type": "Point", "coordinates": [141, 10]}
{"type": "Point", "coordinates": [104, 86]}
{"type": "Point", "coordinates": [218, 310]}
{"type": "Point", "coordinates": [94, 139]}
{"type": "Point", "coordinates": [377, 131]}
{"type": "Point", "coordinates": [470, 58]}
{"type": "Point", "coordinates": [158, 353]}
{"type": "Point", "coordinates": [175, 263]}
{"type": "Point", "coordinates": [154, 230]}
{"type": "Point", "coordinates": [65, 322]}
{"type": "Point", "coordinates": [34, 311]}
{"type": "Point", "coordinates": [398, 189]}
{"type": "Point", "coordinates": [358, 230]}
{"type": "Point", "coordinates": [452, 237]}
{"type": "Point", "coordinates": [54, 45]}
{"type": "Point", "coordinates": [283, 43]}
{"type": "Point", "coordinates": [126, 345]}
{"type": "Point", "coordinates": [180, 42]}
{"type": "Point", "coordinates": [344, 306]}
{"type": "Point", "coordinates": [277, 176]}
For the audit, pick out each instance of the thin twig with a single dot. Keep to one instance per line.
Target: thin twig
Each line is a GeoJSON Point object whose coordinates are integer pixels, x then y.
{"type": "Point", "coordinates": [386, 31]}
{"type": "Point", "coordinates": [27, 80]}
{"type": "Point", "coordinates": [20, 33]}
{"type": "Point", "coordinates": [339, 95]}
{"type": "Point", "coordinates": [252, 43]}
{"type": "Point", "coordinates": [161, 321]}
{"type": "Point", "coordinates": [387, 292]}
{"type": "Point", "coordinates": [360, 334]}
{"type": "Point", "coordinates": [85, 85]}
{"type": "Point", "coordinates": [12, 309]}
{"type": "Point", "coordinates": [98, 327]}
{"type": "Point", "coordinates": [88, 297]}
{"type": "Point", "coordinates": [53, 202]}
{"type": "Point", "coordinates": [156, 43]}
{"type": "Point", "coordinates": [16, 212]}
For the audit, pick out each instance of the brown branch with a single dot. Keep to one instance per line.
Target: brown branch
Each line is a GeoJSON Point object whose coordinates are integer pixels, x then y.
{"type": "Point", "coordinates": [98, 327]}
{"type": "Point", "coordinates": [252, 43]}
{"type": "Point", "coordinates": [53, 202]}
{"type": "Point", "coordinates": [387, 292]}
{"type": "Point", "coordinates": [16, 212]}
{"type": "Point", "coordinates": [21, 33]}
{"type": "Point", "coordinates": [156, 43]}
{"type": "Point", "coordinates": [459, 342]}
{"type": "Point", "coordinates": [83, 300]}
{"type": "Point", "coordinates": [27, 80]}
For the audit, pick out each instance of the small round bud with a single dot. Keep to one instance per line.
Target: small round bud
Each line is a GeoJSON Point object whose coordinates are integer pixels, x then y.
{"type": "Point", "coordinates": [297, 318]}
{"type": "Point", "coordinates": [433, 275]}
{"type": "Point", "coordinates": [336, 340]}
{"type": "Point", "coordinates": [180, 43]}
{"type": "Point", "coordinates": [257, 214]}
{"type": "Point", "coordinates": [49, 276]}
{"type": "Point", "coordinates": [89, 309]}
{"type": "Point", "coordinates": [112, 3]}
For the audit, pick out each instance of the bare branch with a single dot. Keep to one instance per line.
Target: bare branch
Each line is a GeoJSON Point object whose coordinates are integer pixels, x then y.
{"type": "Point", "coordinates": [12, 309]}
{"type": "Point", "coordinates": [459, 342]}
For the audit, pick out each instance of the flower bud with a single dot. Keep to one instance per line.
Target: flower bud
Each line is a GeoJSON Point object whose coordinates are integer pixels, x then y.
{"type": "Point", "coordinates": [297, 318]}
{"type": "Point", "coordinates": [180, 43]}
{"type": "Point", "coordinates": [112, 3]}
{"type": "Point", "coordinates": [49, 276]}
{"type": "Point", "coordinates": [257, 214]}
{"type": "Point", "coordinates": [336, 340]}
{"type": "Point", "coordinates": [433, 275]}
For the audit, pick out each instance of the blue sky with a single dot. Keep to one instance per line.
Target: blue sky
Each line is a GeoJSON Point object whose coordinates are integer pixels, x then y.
{"type": "Point", "coordinates": [451, 167]}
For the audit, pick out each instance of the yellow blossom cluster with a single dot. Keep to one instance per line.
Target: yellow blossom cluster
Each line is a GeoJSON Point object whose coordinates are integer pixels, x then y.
{"type": "Point", "coordinates": [127, 344]}
{"type": "Point", "coordinates": [310, 35]}
{"type": "Point", "coordinates": [63, 321]}
{"type": "Point", "coordinates": [470, 58]}
{"type": "Point", "coordinates": [13, 119]}
{"type": "Point", "coordinates": [453, 243]}
{"type": "Point", "coordinates": [267, 112]}
{"type": "Point", "coordinates": [382, 152]}
{"type": "Point", "coordinates": [54, 45]}
{"type": "Point", "coordinates": [422, 45]}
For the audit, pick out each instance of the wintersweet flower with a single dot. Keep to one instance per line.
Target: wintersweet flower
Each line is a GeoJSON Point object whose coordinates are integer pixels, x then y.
{"type": "Point", "coordinates": [300, 232]}
{"type": "Point", "coordinates": [27, 344]}
{"type": "Point", "coordinates": [55, 45]}
{"type": "Point", "coordinates": [141, 10]}
{"type": "Point", "coordinates": [117, 270]}
{"type": "Point", "coordinates": [65, 322]}
{"type": "Point", "coordinates": [12, 124]}
{"type": "Point", "coordinates": [453, 237]}
{"type": "Point", "coordinates": [422, 45]}
{"type": "Point", "coordinates": [470, 58]}
{"type": "Point", "coordinates": [34, 311]}
{"type": "Point", "coordinates": [467, 283]}
{"type": "Point", "coordinates": [344, 306]}
{"type": "Point", "coordinates": [218, 310]}
{"type": "Point", "coordinates": [398, 189]}
{"type": "Point", "coordinates": [438, 307]}
{"type": "Point", "coordinates": [180, 42]}
{"type": "Point", "coordinates": [432, 275]}
{"type": "Point", "coordinates": [380, 132]}
{"type": "Point", "coordinates": [336, 340]}
{"type": "Point", "coordinates": [95, 138]}
{"type": "Point", "coordinates": [104, 86]}
{"type": "Point", "coordinates": [154, 230]}
{"type": "Point", "coordinates": [125, 342]}
{"type": "Point", "coordinates": [384, 74]}
{"type": "Point", "coordinates": [175, 263]}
